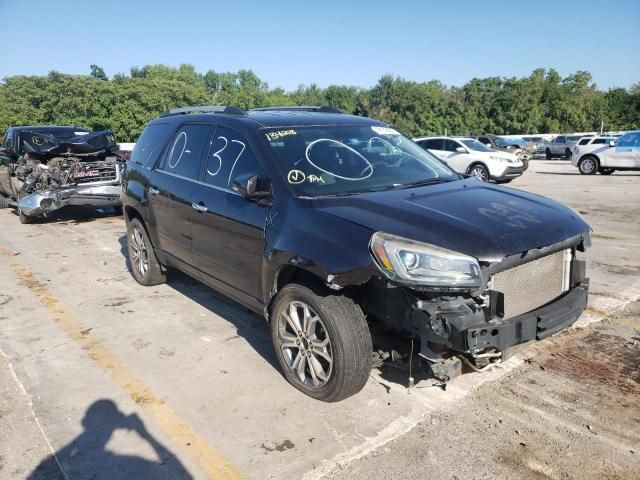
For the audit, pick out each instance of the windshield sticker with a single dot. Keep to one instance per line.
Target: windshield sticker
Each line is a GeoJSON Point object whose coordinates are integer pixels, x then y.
{"type": "Point", "coordinates": [279, 134]}
{"type": "Point", "coordinates": [296, 176]}
{"type": "Point", "coordinates": [385, 131]}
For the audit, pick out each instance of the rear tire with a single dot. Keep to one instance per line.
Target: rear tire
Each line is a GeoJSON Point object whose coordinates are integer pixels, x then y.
{"type": "Point", "coordinates": [588, 165]}
{"type": "Point", "coordinates": [322, 342]}
{"type": "Point", "coordinates": [547, 154]}
{"type": "Point", "coordinates": [145, 267]}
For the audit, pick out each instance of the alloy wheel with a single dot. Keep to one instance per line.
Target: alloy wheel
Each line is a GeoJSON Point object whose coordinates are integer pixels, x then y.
{"type": "Point", "coordinates": [588, 165]}
{"type": "Point", "coordinates": [305, 344]}
{"type": "Point", "coordinates": [139, 253]}
{"type": "Point", "coordinates": [479, 173]}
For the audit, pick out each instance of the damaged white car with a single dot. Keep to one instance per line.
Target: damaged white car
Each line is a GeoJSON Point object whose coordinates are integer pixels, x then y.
{"type": "Point", "coordinates": [45, 168]}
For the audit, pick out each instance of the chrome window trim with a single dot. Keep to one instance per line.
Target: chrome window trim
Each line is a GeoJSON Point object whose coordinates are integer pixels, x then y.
{"type": "Point", "coordinates": [198, 182]}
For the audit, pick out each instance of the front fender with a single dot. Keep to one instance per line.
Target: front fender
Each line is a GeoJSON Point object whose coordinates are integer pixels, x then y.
{"type": "Point", "coordinates": [332, 249]}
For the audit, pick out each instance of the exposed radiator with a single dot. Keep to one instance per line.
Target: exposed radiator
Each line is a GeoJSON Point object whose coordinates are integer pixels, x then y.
{"type": "Point", "coordinates": [533, 284]}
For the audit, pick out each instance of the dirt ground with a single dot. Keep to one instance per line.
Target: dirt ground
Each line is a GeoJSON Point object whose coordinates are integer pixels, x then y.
{"type": "Point", "coordinates": [103, 378]}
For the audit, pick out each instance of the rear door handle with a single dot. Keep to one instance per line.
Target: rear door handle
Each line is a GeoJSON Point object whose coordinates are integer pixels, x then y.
{"type": "Point", "coordinates": [153, 191]}
{"type": "Point", "coordinates": [199, 207]}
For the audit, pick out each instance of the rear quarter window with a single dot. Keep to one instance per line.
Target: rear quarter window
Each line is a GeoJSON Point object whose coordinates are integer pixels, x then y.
{"type": "Point", "coordinates": [150, 144]}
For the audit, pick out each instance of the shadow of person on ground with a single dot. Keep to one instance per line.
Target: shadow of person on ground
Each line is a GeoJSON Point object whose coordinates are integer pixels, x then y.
{"type": "Point", "coordinates": [86, 457]}
{"type": "Point", "coordinates": [253, 328]}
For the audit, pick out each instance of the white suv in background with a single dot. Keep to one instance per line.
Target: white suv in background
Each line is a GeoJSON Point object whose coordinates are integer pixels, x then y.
{"type": "Point", "coordinates": [467, 155]}
{"type": "Point", "coordinates": [623, 154]}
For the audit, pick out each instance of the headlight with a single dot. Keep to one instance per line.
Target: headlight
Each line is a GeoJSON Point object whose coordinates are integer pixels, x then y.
{"type": "Point", "coordinates": [413, 262]}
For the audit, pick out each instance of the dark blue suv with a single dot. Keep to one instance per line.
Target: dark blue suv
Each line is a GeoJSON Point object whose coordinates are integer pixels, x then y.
{"type": "Point", "coordinates": [333, 225]}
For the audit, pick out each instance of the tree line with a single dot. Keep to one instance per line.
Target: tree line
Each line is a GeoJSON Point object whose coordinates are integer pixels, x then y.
{"type": "Point", "coordinates": [542, 102]}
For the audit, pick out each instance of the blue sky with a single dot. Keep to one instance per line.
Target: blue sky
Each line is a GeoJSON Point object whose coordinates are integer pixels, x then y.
{"type": "Point", "coordinates": [288, 43]}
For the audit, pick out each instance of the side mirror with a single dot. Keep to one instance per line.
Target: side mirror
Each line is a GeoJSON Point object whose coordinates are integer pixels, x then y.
{"type": "Point", "coordinates": [461, 150]}
{"type": "Point", "coordinates": [612, 143]}
{"type": "Point", "coordinates": [246, 185]}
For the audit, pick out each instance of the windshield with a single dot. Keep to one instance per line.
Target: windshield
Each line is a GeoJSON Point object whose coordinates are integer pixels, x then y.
{"type": "Point", "coordinates": [475, 145]}
{"type": "Point", "coordinates": [508, 141]}
{"type": "Point", "coordinates": [342, 160]}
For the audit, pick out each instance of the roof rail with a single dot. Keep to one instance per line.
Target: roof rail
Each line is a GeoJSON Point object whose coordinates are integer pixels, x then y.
{"type": "Point", "coordinates": [295, 108]}
{"type": "Point", "coordinates": [231, 110]}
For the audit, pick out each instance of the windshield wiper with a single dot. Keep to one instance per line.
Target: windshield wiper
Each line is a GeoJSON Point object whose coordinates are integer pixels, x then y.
{"type": "Point", "coordinates": [422, 183]}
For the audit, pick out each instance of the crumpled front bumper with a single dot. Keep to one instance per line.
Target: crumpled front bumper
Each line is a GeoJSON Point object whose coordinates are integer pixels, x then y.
{"type": "Point", "coordinates": [41, 203]}
{"type": "Point", "coordinates": [535, 325]}
{"type": "Point", "coordinates": [457, 327]}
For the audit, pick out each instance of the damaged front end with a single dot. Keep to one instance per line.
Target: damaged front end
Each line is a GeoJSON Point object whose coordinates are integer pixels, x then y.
{"type": "Point", "coordinates": [523, 297]}
{"type": "Point", "coordinates": [82, 171]}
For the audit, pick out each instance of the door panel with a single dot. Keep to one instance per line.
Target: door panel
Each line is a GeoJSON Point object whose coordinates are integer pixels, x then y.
{"type": "Point", "coordinates": [169, 210]}
{"type": "Point", "coordinates": [243, 243]}
{"type": "Point", "coordinates": [207, 226]}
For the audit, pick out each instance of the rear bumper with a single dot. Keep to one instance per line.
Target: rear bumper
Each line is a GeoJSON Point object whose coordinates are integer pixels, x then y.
{"type": "Point", "coordinates": [41, 203]}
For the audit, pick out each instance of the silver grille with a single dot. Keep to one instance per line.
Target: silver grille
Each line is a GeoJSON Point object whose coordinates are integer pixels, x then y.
{"type": "Point", "coordinates": [533, 284]}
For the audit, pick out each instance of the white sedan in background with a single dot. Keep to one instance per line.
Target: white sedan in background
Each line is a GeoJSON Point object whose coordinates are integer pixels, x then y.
{"type": "Point", "coordinates": [623, 154]}
{"type": "Point", "coordinates": [467, 155]}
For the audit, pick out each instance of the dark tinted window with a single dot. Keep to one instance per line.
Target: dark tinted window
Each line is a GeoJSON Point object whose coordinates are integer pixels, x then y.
{"type": "Point", "coordinates": [484, 140]}
{"type": "Point", "coordinates": [186, 150]}
{"type": "Point", "coordinates": [561, 140]}
{"type": "Point", "coordinates": [229, 156]}
{"type": "Point", "coordinates": [432, 144]}
{"type": "Point", "coordinates": [600, 141]}
{"type": "Point", "coordinates": [150, 144]}
{"type": "Point", "coordinates": [450, 145]}
{"type": "Point", "coordinates": [584, 141]}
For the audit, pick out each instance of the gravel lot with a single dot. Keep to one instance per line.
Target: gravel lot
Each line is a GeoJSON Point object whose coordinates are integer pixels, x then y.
{"type": "Point", "coordinates": [121, 381]}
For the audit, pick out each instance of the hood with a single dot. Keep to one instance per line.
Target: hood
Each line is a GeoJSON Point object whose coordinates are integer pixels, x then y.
{"type": "Point", "coordinates": [502, 154]}
{"type": "Point", "coordinates": [485, 221]}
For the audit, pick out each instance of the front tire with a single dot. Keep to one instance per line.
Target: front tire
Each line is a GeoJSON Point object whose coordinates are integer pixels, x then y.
{"type": "Point", "coordinates": [145, 267]}
{"type": "Point", "coordinates": [567, 154]}
{"type": "Point", "coordinates": [480, 172]}
{"type": "Point", "coordinates": [322, 342]}
{"type": "Point", "coordinates": [547, 154]}
{"type": "Point", "coordinates": [588, 165]}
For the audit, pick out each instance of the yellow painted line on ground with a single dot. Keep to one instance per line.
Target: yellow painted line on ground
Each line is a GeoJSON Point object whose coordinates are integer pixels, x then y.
{"type": "Point", "coordinates": [211, 461]}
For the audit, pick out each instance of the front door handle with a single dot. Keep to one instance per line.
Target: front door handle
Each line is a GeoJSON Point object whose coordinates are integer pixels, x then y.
{"type": "Point", "coordinates": [199, 207]}
{"type": "Point", "coordinates": [153, 191]}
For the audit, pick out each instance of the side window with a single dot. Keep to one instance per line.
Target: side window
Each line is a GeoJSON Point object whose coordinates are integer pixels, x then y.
{"type": "Point", "coordinates": [450, 145]}
{"type": "Point", "coordinates": [186, 150]}
{"type": "Point", "coordinates": [484, 140]}
{"type": "Point", "coordinates": [561, 140]}
{"type": "Point", "coordinates": [599, 141]}
{"type": "Point", "coordinates": [229, 156]}
{"type": "Point", "coordinates": [150, 144]}
{"type": "Point", "coordinates": [584, 141]}
{"type": "Point", "coordinates": [432, 144]}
